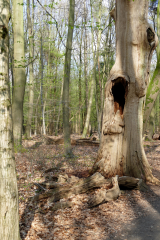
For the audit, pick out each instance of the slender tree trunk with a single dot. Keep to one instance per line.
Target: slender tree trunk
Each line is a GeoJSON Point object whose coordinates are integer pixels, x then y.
{"type": "Point", "coordinates": [89, 105]}
{"type": "Point", "coordinates": [154, 85]}
{"type": "Point", "coordinates": [41, 90]}
{"type": "Point", "coordinates": [89, 109]}
{"type": "Point", "coordinates": [18, 71]}
{"type": "Point", "coordinates": [96, 58]}
{"type": "Point", "coordinates": [121, 150]}
{"type": "Point", "coordinates": [85, 62]}
{"type": "Point", "coordinates": [36, 116]}
{"type": "Point", "coordinates": [157, 115]}
{"type": "Point", "coordinates": [79, 83]}
{"type": "Point", "coordinates": [66, 127]}
{"type": "Point", "coordinates": [59, 110]}
{"type": "Point", "coordinates": [31, 79]}
{"type": "Point", "coordinates": [9, 219]}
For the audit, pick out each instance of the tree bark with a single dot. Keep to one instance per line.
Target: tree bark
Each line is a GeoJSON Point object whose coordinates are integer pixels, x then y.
{"type": "Point", "coordinates": [89, 109]}
{"type": "Point", "coordinates": [79, 85]}
{"type": "Point", "coordinates": [9, 219]}
{"type": "Point", "coordinates": [18, 71]}
{"type": "Point", "coordinates": [154, 85]}
{"type": "Point", "coordinates": [121, 150]}
{"type": "Point", "coordinates": [89, 104]}
{"type": "Point", "coordinates": [66, 127]}
{"type": "Point", "coordinates": [31, 80]}
{"type": "Point", "coordinates": [85, 63]}
{"type": "Point", "coordinates": [151, 126]}
{"type": "Point", "coordinates": [96, 62]}
{"type": "Point", "coordinates": [41, 91]}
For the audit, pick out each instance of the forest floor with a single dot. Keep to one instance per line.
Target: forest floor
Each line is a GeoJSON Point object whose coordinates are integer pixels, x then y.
{"type": "Point", "coordinates": [134, 215]}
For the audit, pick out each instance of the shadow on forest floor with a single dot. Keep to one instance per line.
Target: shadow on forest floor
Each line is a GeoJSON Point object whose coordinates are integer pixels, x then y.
{"type": "Point", "coordinates": [134, 215]}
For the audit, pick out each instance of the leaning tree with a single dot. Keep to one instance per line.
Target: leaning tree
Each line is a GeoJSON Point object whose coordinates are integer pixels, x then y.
{"type": "Point", "coordinates": [121, 149]}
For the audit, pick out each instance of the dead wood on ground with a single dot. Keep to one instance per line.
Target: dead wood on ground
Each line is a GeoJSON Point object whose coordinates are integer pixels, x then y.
{"type": "Point", "coordinates": [85, 142]}
{"type": "Point", "coordinates": [65, 187]}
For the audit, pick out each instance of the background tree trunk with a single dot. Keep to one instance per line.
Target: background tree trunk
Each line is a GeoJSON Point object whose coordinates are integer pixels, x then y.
{"type": "Point", "coordinates": [18, 71]}
{"type": "Point", "coordinates": [154, 85]}
{"type": "Point", "coordinates": [41, 90]}
{"type": "Point", "coordinates": [121, 150]}
{"type": "Point", "coordinates": [31, 79]}
{"type": "Point", "coordinates": [66, 127]}
{"type": "Point", "coordinates": [9, 219]}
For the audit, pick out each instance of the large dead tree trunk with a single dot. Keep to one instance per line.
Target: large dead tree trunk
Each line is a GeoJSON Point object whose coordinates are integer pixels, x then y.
{"type": "Point", "coordinates": [121, 150]}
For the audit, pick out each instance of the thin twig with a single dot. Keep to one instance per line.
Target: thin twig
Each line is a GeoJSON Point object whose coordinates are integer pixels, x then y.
{"type": "Point", "coordinates": [39, 186]}
{"type": "Point", "coordinates": [55, 22]}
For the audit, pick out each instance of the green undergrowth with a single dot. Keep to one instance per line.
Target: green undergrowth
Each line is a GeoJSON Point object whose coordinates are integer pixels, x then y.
{"type": "Point", "coordinates": [20, 149]}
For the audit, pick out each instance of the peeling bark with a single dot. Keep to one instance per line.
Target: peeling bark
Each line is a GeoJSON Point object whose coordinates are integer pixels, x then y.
{"type": "Point", "coordinates": [121, 150]}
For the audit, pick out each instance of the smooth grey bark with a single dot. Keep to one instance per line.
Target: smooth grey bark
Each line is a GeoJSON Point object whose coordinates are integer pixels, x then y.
{"type": "Point", "coordinates": [41, 91]}
{"type": "Point", "coordinates": [59, 110]}
{"type": "Point", "coordinates": [89, 105]}
{"type": "Point", "coordinates": [89, 108]}
{"type": "Point", "coordinates": [31, 79]}
{"type": "Point", "coordinates": [96, 62]}
{"type": "Point", "coordinates": [9, 216]}
{"type": "Point", "coordinates": [18, 71]}
{"type": "Point", "coordinates": [67, 66]}
{"type": "Point", "coordinates": [85, 61]}
{"type": "Point", "coordinates": [79, 86]}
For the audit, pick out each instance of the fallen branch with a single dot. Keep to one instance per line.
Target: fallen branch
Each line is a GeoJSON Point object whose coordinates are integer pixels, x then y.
{"type": "Point", "coordinates": [82, 186]}
{"type": "Point", "coordinates": [66, 189]}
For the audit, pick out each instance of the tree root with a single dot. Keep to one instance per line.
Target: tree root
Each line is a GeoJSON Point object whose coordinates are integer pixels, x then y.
{"type": "Point", "coordinates": [153, 180]}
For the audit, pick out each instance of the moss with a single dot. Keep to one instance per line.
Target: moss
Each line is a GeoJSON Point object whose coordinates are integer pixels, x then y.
{"type": "Point", "coordinates": [7, 103]}
{"type": "Point", "coordinates": [20, 149]}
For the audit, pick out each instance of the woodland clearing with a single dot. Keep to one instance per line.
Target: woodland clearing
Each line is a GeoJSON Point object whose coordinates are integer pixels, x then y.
{"type": "Point", "coordinates": [134, 215]}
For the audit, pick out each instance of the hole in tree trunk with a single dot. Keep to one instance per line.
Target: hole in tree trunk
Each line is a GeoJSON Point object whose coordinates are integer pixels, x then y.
{"type": "Point", "coordinates": [119, 91]}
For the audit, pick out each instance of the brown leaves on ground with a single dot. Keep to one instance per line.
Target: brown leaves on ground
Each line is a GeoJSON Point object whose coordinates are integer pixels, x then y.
{"type": "Point", "coordinates": [39, 221]}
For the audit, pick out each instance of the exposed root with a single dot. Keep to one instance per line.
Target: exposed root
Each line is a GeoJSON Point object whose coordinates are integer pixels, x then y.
{"type": "Point", "coordinates": [153, 180]}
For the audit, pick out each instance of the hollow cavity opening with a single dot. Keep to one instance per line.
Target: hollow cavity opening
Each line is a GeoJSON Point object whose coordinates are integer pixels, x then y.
{"type": "Point", "coordinates": [119, 91]}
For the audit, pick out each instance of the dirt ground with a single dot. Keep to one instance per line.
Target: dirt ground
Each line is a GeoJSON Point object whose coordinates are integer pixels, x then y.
{"type": "Point", "coordinates": [134, 215]}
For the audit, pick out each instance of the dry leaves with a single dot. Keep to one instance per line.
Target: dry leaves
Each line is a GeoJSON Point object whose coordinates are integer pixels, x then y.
{"type": "Point", "coordinates": [38, 221]}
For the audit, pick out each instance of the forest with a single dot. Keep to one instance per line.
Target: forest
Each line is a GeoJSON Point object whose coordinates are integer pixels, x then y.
{"type": "Point", "coordinates": [80, 119]}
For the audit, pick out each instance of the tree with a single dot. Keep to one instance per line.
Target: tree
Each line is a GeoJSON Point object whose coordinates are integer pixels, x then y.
{"type": "Point", "coordinates": [31, 79]}
{"type": "Point", "coordinates": [154, 85]}
{"type": "Point", "coordinates": [66, 127]}
{"type": "Point", "coordinates": [18, 71]}
{"type": "Point", "coordinates": [9, 220]}
{"type": "Point", "coordinates": [93, 81]}
{"type": "Point", "coordinates": [121, 150]}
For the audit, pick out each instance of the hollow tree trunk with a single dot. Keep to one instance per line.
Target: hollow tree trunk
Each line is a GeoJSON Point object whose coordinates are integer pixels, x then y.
{"type": "Point", "coordinates": [121, 150]}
